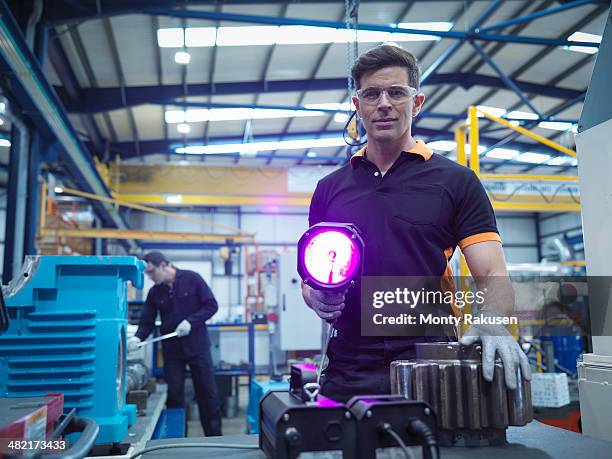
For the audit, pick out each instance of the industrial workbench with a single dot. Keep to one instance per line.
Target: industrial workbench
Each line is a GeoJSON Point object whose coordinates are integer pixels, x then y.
{"type": "Point", "coordinates": [534, 441]}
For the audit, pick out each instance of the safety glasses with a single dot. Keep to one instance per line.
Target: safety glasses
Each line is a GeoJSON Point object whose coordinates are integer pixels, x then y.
{"type": "Point", "coordinates": [396, 94]}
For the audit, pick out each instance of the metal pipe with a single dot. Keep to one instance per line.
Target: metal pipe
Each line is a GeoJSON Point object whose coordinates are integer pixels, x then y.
{"type": "Point", "coordinates": [16, 198]}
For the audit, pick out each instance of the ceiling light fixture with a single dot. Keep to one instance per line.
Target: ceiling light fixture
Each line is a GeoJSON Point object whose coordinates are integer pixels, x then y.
{"type": "Point", "coordinates": [182, 57]}
{"type": "Point", "coordinates": [532, 158]}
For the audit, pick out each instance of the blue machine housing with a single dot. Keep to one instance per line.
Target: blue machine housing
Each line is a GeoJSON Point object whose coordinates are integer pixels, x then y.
{"type": "Point", "coordinates": [67, 334]}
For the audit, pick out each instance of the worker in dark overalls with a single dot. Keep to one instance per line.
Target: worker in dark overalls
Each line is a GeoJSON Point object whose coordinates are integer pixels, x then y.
{"type": "Point", "coordinates": [184, 302]}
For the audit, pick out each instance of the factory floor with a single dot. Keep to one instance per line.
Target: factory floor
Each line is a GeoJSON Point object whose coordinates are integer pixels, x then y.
{"type": "Point", "coordinates": [234, 425]}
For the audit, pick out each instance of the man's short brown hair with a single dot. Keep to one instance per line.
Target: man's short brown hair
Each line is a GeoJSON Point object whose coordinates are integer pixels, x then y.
{"type": "Point", "coordinates": [386, 55]}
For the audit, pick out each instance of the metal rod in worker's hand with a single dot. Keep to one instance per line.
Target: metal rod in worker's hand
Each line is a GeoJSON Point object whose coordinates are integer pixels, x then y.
{"type": "Point", "coordinates": [159, 338]}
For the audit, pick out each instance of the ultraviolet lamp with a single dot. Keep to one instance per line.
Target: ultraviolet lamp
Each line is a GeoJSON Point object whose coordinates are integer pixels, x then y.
{"type": "Point", "coordinates": [330, 256]}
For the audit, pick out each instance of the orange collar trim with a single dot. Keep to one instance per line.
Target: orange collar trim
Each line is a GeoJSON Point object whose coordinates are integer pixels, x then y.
{"type": "Point", "coordinates": [419, 149]}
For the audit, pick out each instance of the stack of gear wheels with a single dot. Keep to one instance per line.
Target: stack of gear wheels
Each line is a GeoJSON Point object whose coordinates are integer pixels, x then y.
{"type": "Point", "coordinates": [470, 410]}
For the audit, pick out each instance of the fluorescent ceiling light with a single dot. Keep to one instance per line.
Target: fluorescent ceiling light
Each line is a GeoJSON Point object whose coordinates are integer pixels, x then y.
{"type": "Point", "coordinates": [254, 147]}
{"type": "Point", "coordinates": [493, 111]}
{"type": "Point", "coordinates": [174, 116]}
{"type": "Point", "coordinates": [58, 189]}
{"type": "Point", "coordinates": [183, 128]}
{"type": "Point", "coordinates": [170, 38]}
{"type": "Point", "coordinates": [341, 117]}
{"type": "Point", "coordinates": [233, 114]}
{"type": "Point", "coordinates": [582, 36]}
{"type": "Point", "coordinates": [442, 145]}
{"type": "Point", "coordinates": [502, 153]}
{"type": "Point", "coordinates": [174, 198]}
{"type": "Point", "coordinates": [5, 143]}
{"type": "Point", "coordinates": [533, 158]}
{"type": "Point", "coordinates": [289, 35]}
{"type": "Point", "coordinates": [555, 125]}
{"type": "Point", "coordinates": [182, 57]}
{"type": "Point", "coordinates": [305, 35]}
{"type": "Point", "coordinates": [522, 115]}
{"type": "Point", "coordinates": [343, 107]}
{"type": "Point", "coordinates": [560, 161]}
{"type": "Point", "coordinates": [247, 35]}
{"type": "Point", "coordinates": [200, 36]}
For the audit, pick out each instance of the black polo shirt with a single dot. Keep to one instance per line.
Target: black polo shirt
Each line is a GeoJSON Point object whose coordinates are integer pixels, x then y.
{"type": "Point", "coordinates": [412, 219]}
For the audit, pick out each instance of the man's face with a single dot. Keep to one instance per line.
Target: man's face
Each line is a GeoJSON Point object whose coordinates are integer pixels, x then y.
{"type": "Point", "coordinates": [156, 273]}
{"type": "Point", "coordinates": [387, 120]}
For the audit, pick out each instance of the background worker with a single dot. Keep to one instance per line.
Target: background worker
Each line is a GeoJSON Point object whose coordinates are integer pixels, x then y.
{"type": "Point", "coordinates": [184, 302]}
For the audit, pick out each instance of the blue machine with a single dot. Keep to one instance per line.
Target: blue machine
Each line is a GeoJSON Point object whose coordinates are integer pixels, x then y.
{"type": "Point", "coordinates": [67, 334]}
{"type": "Point", "coordinates": [258, 390]}
{"type": "Point", "coordinates": [567, 350]}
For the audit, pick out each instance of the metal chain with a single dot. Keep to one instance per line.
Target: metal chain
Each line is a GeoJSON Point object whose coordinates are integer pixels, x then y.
{"type": "Point", "coordinates": [351, 8]}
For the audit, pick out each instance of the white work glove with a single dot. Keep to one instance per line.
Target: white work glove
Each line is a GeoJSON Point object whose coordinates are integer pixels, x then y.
{"type": "Point", "coordinates": [496, 339]}
{"type": "Point", "coordinates": [183, 329]}
{"type": "Point", "coordinates": [132, 343]}
{"type": "Point", "coordinates": [328, 305]}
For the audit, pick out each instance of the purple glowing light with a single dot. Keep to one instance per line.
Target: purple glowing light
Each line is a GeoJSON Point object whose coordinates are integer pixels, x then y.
{"type": "Point", "coordinates": [331, 257]}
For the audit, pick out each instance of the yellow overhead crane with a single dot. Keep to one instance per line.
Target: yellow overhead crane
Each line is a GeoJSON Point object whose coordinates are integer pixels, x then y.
{"type": "Point", "coordinates": [235, 235]}
{"type": "Point", "coordinates": [529, 203]}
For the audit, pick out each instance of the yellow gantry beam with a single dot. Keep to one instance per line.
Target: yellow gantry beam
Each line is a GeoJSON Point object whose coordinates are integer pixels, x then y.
{"type": "Point", "coordinates": [111, 233]}
{"type": "Point", "coordinates": [531, 178]}
{"type": "Point", "coordinates": [153, 210]}
{"type": "Point", "coordinates": [526, 132]}
{"type": "Point", "coordinates": [215, 200]}
{"type": "Point", "coordinates": [536, 206]}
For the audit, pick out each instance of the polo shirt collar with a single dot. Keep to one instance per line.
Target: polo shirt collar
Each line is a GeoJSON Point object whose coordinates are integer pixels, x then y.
{"type": "Point", "coordinates": [419, 149]}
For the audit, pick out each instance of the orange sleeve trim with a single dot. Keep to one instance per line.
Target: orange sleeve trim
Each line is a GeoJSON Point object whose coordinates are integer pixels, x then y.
{"type": "Point", "coordinates": [480, 237]}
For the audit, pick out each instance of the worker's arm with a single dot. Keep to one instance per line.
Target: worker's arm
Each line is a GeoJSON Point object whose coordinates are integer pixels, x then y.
{"type": "Point", "coordinates": [208, 304]}
{"type": "Point", "coordinates": [488, 267]}
{"type": "Point", "coordinates": [147, 318]}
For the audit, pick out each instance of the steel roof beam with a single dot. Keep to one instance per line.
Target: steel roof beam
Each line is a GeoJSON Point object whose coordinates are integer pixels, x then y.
{"type": "Point", "coordinates": [62, 66]}
{"type": "Point", "coordinates": [95, 100]}
{"type": "Point", "coordinates": [149, 147]}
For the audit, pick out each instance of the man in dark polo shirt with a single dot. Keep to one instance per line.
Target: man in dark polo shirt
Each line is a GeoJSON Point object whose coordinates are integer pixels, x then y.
{"type": "Point", "coordinates": [413, 209]}
{"type": "Point", "coordinates": [184, 302]}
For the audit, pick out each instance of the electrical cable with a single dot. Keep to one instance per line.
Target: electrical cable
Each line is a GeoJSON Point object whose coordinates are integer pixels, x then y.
{"type": "Point", "coordinates": [191, 445]}
{"type": "Point", "coordinates": [421, 429]}
{"type": "Point", "coordinates": [344, 131]}
{"type": "Point", "coordinates": [385, 427]}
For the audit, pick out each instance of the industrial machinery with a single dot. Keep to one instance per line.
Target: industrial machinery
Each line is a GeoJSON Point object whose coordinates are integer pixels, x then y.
{"type": "Point", "coordinates": [386, 424]}
{"type": "Point", "coordinates": [67, 334]}
{"type": "Point", "coordinates": [301, 422]}
{"type": "Point", "coordinates": [470, 410]}
{"type": "Point", "coordinates": [594, 159]}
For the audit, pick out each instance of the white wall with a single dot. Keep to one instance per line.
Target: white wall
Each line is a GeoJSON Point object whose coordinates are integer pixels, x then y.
{"type": "Point", "coordinates": [519, 237]}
